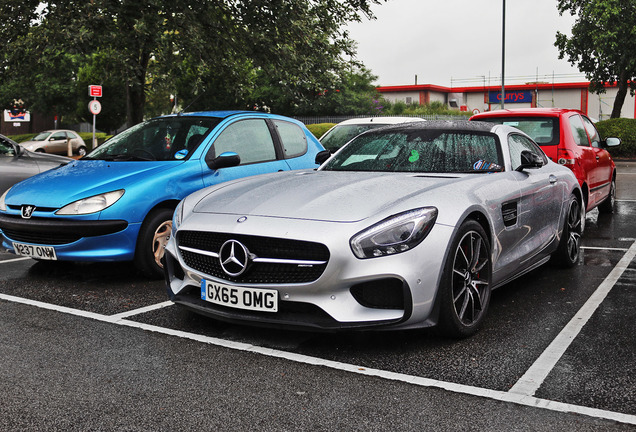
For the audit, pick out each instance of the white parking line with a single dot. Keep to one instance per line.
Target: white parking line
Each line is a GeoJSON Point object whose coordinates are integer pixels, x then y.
{"type": "Point", "coordinates": [14, 260]}
{"type": "Point", "coordinates": [530, 382]}
{"type": "Point", "coordinates": [515, 398]}
{"type": "Point", "coordinates": [605, 248]}
{"type": "Point", "coordinates": [142, 310]}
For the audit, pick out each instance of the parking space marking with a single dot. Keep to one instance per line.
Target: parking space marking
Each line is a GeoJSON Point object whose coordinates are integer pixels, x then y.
{"type": "Point", "coordinates": [605, 248]}
{"type": "Point", "coordinates": [142, 310]}
{"type": "Point", "coordinates": [530, 382]}
{"type": "Point", "coordinates": [14, 260]}
{"type": "Point", "coordinates": [516, 398]}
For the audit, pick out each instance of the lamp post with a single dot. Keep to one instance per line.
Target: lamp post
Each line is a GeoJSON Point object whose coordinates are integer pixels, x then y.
{"type": "Point", "coordinates": [503, 55]}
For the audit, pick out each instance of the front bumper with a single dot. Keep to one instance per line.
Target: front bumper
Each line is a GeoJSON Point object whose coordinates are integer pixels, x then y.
{"type": "Point", "coordinates": [73, 240]}
{"type": "Point", "coordinates": [388, 292]}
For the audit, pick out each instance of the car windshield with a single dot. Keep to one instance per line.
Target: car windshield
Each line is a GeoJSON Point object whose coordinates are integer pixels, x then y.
{"type": "Point", "coordinates": [420, 150]}
{"type": "Point", "coordinates": [342, 134]}
{"type": "Point", "coordinates": [42, 136]}
{"type": "Point", "coordinates": [161, 139]}
{"type": "Point", "coordinates": [543, 130]}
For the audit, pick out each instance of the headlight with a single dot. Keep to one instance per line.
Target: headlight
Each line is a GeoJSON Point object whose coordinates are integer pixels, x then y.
{"type": "Point", "coordinates": [92, 204]}
{"type": "Point", "coordinates": [394, 234]}
{"type": "Point", "coordinates": [177, 217]}
{"type": "Point", "coordinates": [3, 206]}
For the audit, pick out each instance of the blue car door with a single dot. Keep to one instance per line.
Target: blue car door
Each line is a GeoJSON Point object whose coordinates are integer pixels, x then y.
{"type": "Point", "coordinates": [253, 141]}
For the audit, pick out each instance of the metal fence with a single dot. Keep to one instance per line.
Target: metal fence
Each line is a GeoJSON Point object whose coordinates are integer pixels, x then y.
{"type": "Point", "coordinates": [338, 119]}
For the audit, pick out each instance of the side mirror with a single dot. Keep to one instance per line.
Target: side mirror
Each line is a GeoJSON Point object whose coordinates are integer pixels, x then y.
{"type": "Point", "coordinates": [530, 160]}
{"type": "Point", "coordinates": [18, 150]}
{"type": "Point", "coordinates": [224, 160]}
{"type": "Point", "coordinates": [612, 142]}
{"type": "Point", "coordinates": [322, 156]}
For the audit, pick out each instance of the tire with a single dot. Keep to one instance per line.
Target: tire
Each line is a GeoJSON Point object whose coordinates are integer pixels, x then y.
{"type": "Point", "coordinates": [607, 206]}
{"type": "Point", "coordinates": [39, 150]}
{"type": "Point", "coordinates": [465, 286]}
{"type": "Point", "coordinates": [81, 151]}
{"type": "Point", "coordinates": [569, 249]}
{"type": "Point", "coordinates": [153, 236]}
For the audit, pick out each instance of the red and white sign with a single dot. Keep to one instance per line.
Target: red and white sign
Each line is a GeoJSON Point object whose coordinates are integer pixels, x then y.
{"type": "Point", "coordinates": [95, 91]}
{"type": "Point", "coordinates": [94, 107]}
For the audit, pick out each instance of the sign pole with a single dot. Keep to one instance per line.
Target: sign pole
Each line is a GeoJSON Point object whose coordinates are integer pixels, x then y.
{"type": "Point", "coordinates": [94, 117]}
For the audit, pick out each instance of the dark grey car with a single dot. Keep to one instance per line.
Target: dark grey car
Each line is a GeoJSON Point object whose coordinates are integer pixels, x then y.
{"type": "Point", "coordinates": [17, 163]}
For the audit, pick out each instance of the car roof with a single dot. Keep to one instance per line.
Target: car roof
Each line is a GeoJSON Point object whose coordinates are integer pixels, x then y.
{"type": "Point", "coordinates": [380, 120]}
{"type": "Point", "coordinates": [456, 125]}
{"type": "Point", "coordinates": [517, 112]}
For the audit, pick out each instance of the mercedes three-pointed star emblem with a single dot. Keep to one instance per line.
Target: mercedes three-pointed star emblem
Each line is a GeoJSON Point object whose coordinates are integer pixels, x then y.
{"type": "Point", "coordinates": [234, 257]}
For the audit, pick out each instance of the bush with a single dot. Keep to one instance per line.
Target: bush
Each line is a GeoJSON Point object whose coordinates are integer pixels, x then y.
{"type": "Point", "coordinates": [318, 129]}
{"type": "Point", "coordinates": [622, 128]}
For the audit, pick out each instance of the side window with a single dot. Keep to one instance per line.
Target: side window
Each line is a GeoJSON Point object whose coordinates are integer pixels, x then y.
{"type": "Point", "coordinates": [58, 136]}
{"type": "Point", "coordinates": [250, 139]}
{"type": "Point", "coordinates": [592, 132]}
{"type": "Point", "coordinates": [519, 143]}
{"type": "Point", "coordinates": [6, 149]}
{"type": "Point", "coordinates": [578, 131]}
{"type": "Point", "coordinates": [293, 138]}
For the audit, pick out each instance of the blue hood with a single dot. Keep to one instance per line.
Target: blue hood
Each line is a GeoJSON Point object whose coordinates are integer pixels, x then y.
{"type": "Point", "coordinates": [82, 179]}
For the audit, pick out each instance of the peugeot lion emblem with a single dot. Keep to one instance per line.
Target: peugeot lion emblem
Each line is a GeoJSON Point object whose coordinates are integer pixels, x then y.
{"type": "Point", "coordinates": [234, 257]}
{"type": "Point", "coordinates": [27, 211]}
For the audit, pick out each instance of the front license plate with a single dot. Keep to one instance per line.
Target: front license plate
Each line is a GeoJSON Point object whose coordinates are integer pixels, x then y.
{"type": "Point", "coordinates": [39, 252]}
{"type": "Point", "coordinates": [256, 299]}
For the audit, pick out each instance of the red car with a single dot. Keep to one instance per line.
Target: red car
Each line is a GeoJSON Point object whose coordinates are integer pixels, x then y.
{"type": "Point", "coordinates": [569, 138]}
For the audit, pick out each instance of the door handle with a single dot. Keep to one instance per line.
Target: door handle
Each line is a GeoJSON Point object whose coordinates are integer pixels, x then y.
{"type": "Point", "coordinates": [553, 179]}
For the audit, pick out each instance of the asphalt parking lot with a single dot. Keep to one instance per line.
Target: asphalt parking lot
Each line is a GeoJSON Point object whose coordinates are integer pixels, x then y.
{"type": "Point", "coordinates": [97, 347]}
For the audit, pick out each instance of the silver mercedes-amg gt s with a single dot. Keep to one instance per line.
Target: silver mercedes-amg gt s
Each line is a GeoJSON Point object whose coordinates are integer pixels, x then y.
{"type": "Point", "coordinates": [406, 226]}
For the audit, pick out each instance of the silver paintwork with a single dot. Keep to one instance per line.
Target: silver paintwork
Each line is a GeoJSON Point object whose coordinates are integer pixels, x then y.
{"type": "Point", "coordinates": [330, 207]}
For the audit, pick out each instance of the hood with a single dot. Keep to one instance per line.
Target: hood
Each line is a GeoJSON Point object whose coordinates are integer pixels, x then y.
{"type": "Point", "coordinates": [318, 195]}
{"type": "Point", "coordinates": [81, 179]}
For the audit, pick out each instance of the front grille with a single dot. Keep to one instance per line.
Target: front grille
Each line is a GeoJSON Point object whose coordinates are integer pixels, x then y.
{"type": "Point", "coordinates": [50, 238]}
{"type": "Point", "coordinates": [261, 247]}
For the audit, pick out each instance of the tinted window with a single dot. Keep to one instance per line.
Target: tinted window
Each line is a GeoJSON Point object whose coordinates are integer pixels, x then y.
{"type": "Point", "coordinates": [293, 138]}
{"type": "Point", "coordinates": [543, 130]}
{"type": "Point", "coordinates": [250, 139]}
{"type": "Point", "coordinates": [342, 134]}
{"type": "Point", "coordinates": [519, 143]}
{"type": "Point", "coordinates": [591, 132]}
{"type": "Point", "coordinates": [162, 139]}
{"type": "Point", "coordinates": [578, 131]}
{"type": "Point", "coordinates": [420, 150]}
{"type": "Point", "coordinates": [58, 136]}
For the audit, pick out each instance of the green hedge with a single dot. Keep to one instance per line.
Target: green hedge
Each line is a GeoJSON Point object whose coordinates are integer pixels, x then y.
{"type": "Point", "coordinates": [622, 128]}
{"type": "Point", "coordinates": [318, 129]}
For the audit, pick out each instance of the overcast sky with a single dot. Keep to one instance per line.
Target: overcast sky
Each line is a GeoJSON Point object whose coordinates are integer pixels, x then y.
{"type": "Point", "coordinates": [458, 42]}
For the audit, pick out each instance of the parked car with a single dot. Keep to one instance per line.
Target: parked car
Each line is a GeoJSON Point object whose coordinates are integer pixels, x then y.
{"type": "Point", "coordinates": [16, 163]}
{"type": "Point", "coordinates": [406, 226]}
{"type": "Point", "coordinates": [344, 131]}
{"type": "Point", "coordinates": [56, 142]}
{"type": "Point", "coordinates": [569, 138]}
{"type": "Point", "coordinates": [116, 203]}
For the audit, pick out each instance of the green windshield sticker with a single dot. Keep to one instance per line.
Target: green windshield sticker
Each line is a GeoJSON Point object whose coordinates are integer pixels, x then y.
{"type": "Point", "coordinates": [415, 156]}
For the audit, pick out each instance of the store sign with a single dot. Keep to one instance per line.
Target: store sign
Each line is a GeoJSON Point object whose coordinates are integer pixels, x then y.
{"type": "Point", "coordinates": [524, 96]}
{"type": "Point", "coordinates": [17, 116]}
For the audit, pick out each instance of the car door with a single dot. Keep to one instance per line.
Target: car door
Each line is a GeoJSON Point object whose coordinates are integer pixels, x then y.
{"type": "Point", "coordinates": [586, 157]}
{"type": "Point", "coordinates": [538, 208]}
{"type": "Point", "coordinates": [602, 174]}
{"type": "Point", "coordinates": [13, 167]}
{"type": "Point", "coordinates": [57, 143]}
{"type": "Point", "coordinates": [254, 141]}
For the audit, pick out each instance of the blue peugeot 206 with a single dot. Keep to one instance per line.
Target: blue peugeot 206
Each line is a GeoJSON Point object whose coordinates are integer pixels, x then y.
{"type": "Point", "coordinates": [116, 203]}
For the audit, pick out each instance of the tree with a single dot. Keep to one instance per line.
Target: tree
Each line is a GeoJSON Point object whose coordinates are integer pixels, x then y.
{"type": "Point", "coordinates": [205, 50]}
{"type": "Point", "coordinates": [603, 44]}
